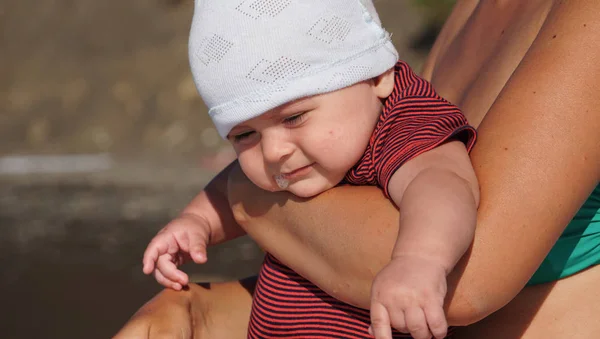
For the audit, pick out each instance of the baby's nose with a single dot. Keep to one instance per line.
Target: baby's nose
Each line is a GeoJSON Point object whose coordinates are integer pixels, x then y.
{"type": "Point", "coordinates": [276, 149]}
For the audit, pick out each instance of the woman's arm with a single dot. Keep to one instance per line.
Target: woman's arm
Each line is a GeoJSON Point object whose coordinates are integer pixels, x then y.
{"type": "Point", "coordinates": [537, 160]}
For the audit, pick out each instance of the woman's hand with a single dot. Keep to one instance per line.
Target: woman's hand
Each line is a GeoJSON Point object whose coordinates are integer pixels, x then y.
{"type": "Point", "coordinates": [212, 311]}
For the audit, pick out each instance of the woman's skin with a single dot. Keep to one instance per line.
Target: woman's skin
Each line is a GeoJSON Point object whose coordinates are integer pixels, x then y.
{"type": "Point", "coordinates": [526, 74]}
{"type": "Point", "coordinates": [218, 310]}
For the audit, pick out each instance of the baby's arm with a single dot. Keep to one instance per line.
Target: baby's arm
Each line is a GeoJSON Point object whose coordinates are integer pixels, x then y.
{"type": "Point", "coordinates": [213, 206]}
{"type": "Point", "coordinates": [207, 220]}
{"type": "Point", "coordinates": [438, 195]}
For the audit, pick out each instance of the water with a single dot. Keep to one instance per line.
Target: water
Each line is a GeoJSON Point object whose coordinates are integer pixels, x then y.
{"type": "Point", "coordinates": [70, 256]}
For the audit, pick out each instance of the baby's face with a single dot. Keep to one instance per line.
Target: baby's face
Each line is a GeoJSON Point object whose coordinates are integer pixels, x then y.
{"type": "Point", "coordinates": [308, 145]}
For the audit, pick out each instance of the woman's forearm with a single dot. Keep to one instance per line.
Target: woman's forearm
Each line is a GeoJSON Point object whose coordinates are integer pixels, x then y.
{"type": "Point", "coordinates": [340, 239]}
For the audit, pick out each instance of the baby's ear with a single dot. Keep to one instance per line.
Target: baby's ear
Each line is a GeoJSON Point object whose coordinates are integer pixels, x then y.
{"type": "Point", "coordinates": [383, 85]}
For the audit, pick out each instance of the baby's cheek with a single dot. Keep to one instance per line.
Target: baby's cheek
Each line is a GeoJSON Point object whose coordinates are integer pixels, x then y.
{"type": "Point", "coordinates": [338, 162]}
{"type": "Point", "coordinates": [259, 178]}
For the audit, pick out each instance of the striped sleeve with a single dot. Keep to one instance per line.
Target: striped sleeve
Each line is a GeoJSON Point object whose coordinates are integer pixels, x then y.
{"type": "Point", "coordinates": [414, 125]}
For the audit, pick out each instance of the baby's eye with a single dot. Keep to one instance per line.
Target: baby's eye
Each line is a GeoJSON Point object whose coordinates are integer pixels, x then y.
{"type": "Point", "coordinates": [294, 119]}
{"type": "Point", "coordinates": [242, 136]}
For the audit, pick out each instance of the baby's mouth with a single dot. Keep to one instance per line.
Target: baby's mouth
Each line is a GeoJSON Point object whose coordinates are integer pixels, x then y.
{"type": "Point", "coordinates": [281, 181]}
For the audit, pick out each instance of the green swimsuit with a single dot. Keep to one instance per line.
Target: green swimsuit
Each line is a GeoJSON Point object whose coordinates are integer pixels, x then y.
{"type": "Point", "coordinates": [577, 248]}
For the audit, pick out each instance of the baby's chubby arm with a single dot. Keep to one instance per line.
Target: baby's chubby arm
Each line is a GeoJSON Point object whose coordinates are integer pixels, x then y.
{"type": "Point", "coordinates": [438, 195]}
{"type": "Point", "coordinates": [207, 220]}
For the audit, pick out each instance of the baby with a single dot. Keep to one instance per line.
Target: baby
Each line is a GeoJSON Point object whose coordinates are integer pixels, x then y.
{"type": "Point", "coordinates": [311, 95]}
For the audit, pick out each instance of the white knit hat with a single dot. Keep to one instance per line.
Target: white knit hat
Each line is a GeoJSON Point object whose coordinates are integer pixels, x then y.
{"type": "Point", "coordinates": [250, 56]}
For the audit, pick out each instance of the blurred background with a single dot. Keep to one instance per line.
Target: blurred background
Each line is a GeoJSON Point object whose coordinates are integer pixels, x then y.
{"type": "Point", "coordinates": [103, 139]}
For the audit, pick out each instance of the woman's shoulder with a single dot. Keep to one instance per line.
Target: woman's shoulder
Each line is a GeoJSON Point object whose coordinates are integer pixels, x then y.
{"type": "Point", "coordinates": [568, 45]}
{"type": "Point", "coordinates": [579, 17]}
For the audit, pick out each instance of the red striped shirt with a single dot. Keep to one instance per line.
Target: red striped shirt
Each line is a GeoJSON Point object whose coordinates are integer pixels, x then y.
{"type": "Point", "coordinates": [414, 120]}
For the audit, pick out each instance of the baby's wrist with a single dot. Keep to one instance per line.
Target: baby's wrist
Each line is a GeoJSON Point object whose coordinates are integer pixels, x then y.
{"type": "Point", "coordinates": [198, 221]}
{"type": "Point", "coordinates": [191, 216]}
{"type": "Point", "coordinates": [424, 259]}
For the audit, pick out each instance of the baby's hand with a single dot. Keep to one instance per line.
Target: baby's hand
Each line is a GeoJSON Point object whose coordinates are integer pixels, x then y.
{"type": "Point", "coordinates": [185, 237]}
{"type": "Point", "coordinates": [408, 295]}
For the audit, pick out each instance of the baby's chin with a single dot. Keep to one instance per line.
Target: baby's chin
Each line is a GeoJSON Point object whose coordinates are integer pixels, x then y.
{"type": "Point", "coordinates": [302, 192]}
{"type": "Point", "coordinates": [306, 191]}
{"type": "Point", "coordinates": [302, 188]}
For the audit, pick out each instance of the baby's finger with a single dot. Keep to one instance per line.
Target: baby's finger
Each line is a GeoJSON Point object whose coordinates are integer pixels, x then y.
{"type": "Point", "coordinates": [198, 248]}
{"type": "Point", "coordinates": [397, 320]}
{"type": "Point", "coordinates": [168, 268]}
{"type": "Point", "coordinates": [166, 282]}
{"type": "Point", "coordinates": [380, 322]}
{"type": "Point", "coordinates": [150, 256]}
{"type": "Point", "coordinates": [416, 323]}
{"type": "Point", "coordinates": [157, 247]}
{"type": "Point", "coordinates": [436, 320]}
{"type": "Point", "coordinates": [148, 265]}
